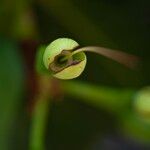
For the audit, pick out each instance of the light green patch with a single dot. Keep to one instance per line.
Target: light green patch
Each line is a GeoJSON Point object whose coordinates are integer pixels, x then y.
{"type": "Point", "coordinates": [74, 70]}
{"type": "Point", "coordinates": [56, 47]}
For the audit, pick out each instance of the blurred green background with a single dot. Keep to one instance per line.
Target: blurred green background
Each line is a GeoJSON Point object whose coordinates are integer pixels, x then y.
{"type": "Point", "coordinates": [96, 111]}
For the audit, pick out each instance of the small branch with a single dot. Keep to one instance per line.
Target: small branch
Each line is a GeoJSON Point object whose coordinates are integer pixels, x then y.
{"type": "Point", "coordinates": [111, 99]}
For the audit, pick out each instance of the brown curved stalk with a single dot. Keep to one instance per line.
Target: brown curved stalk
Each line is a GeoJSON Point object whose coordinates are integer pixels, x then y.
{"type": "Point", "coordinates": [128, 60]}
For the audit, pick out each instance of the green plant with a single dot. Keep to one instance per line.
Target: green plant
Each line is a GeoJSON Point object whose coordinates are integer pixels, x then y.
{"type": "Point", "coordinates": [64, 59]}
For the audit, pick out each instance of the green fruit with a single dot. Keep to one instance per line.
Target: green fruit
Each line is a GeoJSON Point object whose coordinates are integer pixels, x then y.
{"type": "Point", "coordinates": [59, 60]}
{"type": "Point", "coordinates": [142, 103]}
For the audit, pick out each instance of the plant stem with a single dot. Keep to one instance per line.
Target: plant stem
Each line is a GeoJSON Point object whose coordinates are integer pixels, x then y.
{"type": "Point", "coordinates": [111, 99]}
{"type": "Point", "coordinates": [39, 118]}
{"type": "Point", "coordinates": [38, 124]}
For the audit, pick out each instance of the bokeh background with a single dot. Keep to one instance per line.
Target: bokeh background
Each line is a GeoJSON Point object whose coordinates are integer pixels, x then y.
{"type": "Point", "coordinates": [74, 123]}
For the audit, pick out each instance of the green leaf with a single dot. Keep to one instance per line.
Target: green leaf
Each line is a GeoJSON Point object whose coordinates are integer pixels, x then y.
{"type": "Point", "coordinates": [11, 84]}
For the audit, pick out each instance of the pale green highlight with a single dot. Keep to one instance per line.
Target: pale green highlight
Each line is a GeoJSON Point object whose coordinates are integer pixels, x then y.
{"type": "Point", "coordinates": [56, 47]}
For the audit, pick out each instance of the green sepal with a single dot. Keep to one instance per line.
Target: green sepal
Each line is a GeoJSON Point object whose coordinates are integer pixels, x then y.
{"type": "Point", "coordinates": [39, 65]}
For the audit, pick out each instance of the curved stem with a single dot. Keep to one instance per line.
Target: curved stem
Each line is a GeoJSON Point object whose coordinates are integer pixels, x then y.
{"type": "Point", "coordinates": [128, 60]}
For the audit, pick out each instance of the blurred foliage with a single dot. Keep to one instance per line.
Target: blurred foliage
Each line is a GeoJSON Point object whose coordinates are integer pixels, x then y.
{"type": "Point", "coordinates": [11, 87]}
{"type": "Point", "coordinates": [75, 123]}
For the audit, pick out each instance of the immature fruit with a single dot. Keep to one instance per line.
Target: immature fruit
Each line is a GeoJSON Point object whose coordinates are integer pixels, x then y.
{"type": "Point", "coordinates": [142, 103]}
{"type": "Point", "coordinates": [59, 60]}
